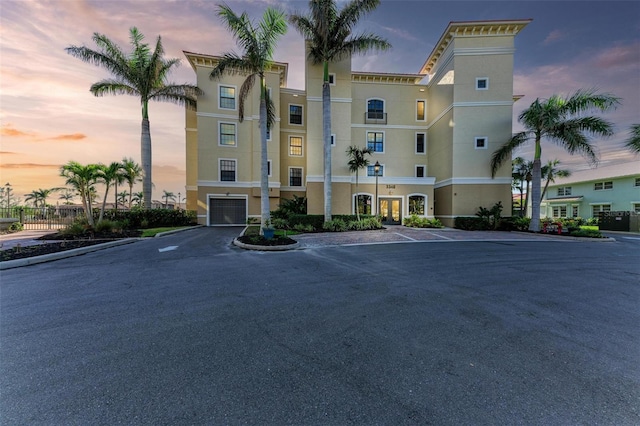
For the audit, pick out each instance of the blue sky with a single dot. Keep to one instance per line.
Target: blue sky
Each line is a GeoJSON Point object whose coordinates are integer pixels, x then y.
{"type": "Point", "coordinates": [48, 116]}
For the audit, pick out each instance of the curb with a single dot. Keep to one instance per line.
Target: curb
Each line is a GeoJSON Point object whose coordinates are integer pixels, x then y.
{"type": "Point", "coordinates": [175, 231]}
{"type": "Point", "coordinates": [10, 264]}
{"type": "Point", "coordinates": [265, 248]}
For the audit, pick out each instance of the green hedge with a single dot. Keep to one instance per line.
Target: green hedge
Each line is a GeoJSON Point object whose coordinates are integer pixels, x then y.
{"type": "Point", "coordinates": [470, 223]}
{"type": "Point", "coordinates": [138, 218]}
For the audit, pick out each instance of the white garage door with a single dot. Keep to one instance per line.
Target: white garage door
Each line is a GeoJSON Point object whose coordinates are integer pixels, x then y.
{"type": "Point", "coordinates": [227, 211]}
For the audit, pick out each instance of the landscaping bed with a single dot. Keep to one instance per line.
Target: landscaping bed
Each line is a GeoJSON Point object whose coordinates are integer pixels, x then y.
{"type": "Point", "coordinates": [46, 248]}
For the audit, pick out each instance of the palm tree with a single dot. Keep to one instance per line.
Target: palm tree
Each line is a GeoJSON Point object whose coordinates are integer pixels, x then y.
{"type": "Point", "coordinates": [328, 33]}
{"type": "Point", "coordinates": [521, 172]}
{"type": "Point", "coordinates": [108, 175]}
{"type": "Point", "coordinates": [141, 73]}
{"type": "Point", "coordinates": [39, 196]}
{"type": "Point", "coordinates": [82, 178]}
{"type": "Point", "coordinates": [138, 198]}
{"type": "Point", "coordinates": [168, 196]}
{"type": "Point", "coordinates": [258, 42]}
{"type": "Point", "coordinates": [132, 173]}
{"type": "Point", "coordinates": [357, 161]}
{"type": "Point", "coordinates": [550, 172]}
{"type": "Point", "coordinates": [122, 197]}
{"type": "Point", "coordinates": [563, 121]}
{"type": "Point", "coordinates": [633, 143]}
{"type": "Point", "coordinates": [33, 196]}
{"type": "Point", "coordinates": [67, 196]}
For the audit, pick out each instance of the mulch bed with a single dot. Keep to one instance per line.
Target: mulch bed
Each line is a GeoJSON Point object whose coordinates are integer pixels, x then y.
{"type": "Point", "coordinates": [259, 240]}
{"type": "Point", "coordinates": [46, 248]}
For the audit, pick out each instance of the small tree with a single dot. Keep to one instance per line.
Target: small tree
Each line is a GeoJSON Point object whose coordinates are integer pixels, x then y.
{"type": "Point", "coordinates": [550, 172]}
{"type": "Point", "coordinates": [168, 196]}
{"type": "Point", "coordinates": [358, 160]}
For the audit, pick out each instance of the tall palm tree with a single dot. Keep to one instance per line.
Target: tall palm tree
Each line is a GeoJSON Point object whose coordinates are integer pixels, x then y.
{"type": "Point", "coordinates": [81, 179]}
{"type": "Point", "coordinates": [39, 196]}
{"type": "Point", "coordinates": [565, 121]}
{"type": "Point", "coordinates": [521, 172]}
{"type": "Point", "coordinates": [141, 73]}
{"type": "Point", "coordinates": [122, 197]}
{"type": "Point", "coordinates": [167, 195]}
{"type": "Point", "coordinates": [33, 196]}
{"type": "Point", "coordinates": [328, 33]}
{"type": "Point", "coordinates": [108, 175]}
{"type": "Point", "coordinates": [550, 172]}
{"type": "Point", "coordinates": [132, 173]}
{"type": "Point", "coordinates": [138, 198]}
{"type": "Point", "coordinates": [259, 43]}
{"type": "Point", "coordinates": [357, 161]}
{"type": "Point", "coordinates": [633, 143]}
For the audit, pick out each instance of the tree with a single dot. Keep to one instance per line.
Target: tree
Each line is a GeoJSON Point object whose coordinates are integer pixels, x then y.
{"type": "Point", "coordinates": [168, 196]}
{"type": "Point", "coordinates": [82, 178]}
{"type": "Point", "coordinates": [258, 42]}
{"type": "Point", "coordinates": [138, 198]}
{"type": "Point", "coordinates": [328, 33]}
{"type": "Point", "coordinates": [122, 197]}
{"type": "Point", "coordinates": [109, 175]}
{"type": "Point", "coordinates": [132, 173]}
{"type": "Point", "coordinates": [564, 121]}
{"type": "Point", "coordinates": [357, 161]}
{"type": "Point", "coordinates": [521, 173]}
{"type": "Point", "coordinates": [633, 143]}
{"type": "Point", "coordinates": [141, 73]}
{"type": "Point", "coordinates": [550, 172]}
{"type": "Point", "coordinates": [67, 196]}
{"type": "Point", "coordinates": [39, 196]}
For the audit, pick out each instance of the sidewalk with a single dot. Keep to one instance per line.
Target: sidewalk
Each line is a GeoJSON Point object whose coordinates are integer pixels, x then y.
{"type": "Point", "coordinates": [24, 238]}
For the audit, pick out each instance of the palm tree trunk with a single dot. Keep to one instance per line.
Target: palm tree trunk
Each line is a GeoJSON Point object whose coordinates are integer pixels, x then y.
{"type": "Point", "coordinates": [264, 174]}
{"type": "Point", "coordinates": [326, 135]}
{"type": "Point", "coordinates": [357, 199]}
{"type": "Point", "coordinates": [145, 145]}
{"type": "Point", "coordinates": [130, 194]}
{"type": "Point", "coordinates": [536, 178]}
{"type": "Point", "coordinates": [104, 203]}
{"type": "Point", "coordinates": [544, 191]}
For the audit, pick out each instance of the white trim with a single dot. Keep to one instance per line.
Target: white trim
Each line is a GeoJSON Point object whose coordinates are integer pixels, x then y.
{"type": "Point", "coordinates": [426, 203]}
{"type": "Point", "coordinates": [293, 131]}
{"type": "Point", "coordinates": [473, 181]}
{"type": "Point", "coordinates": [481, 51]}
{"type": "Point", "coordinates": [302, 185]}
{"type": "Point", "coordinates": [225, 184]}
{"type": "Point", "coordinates": [479, 79]}
{"type": "Point", "coordinates": [440, 116]}
{"type": "Point", "coordinates": [601, 203]}
{"type": "Point", "coordinates": [384, 140]}
{"type": "Point", "coordinates": [191, 129]}
{"type": "Point", "coordinates": [390, 126]}
{"type": "Point", "coordinates": [381, 179]}
{"type": "Point", "coordinates": [301, 115]}
{"type": "Point", "coordinates": [332, 74]}
{"type": "Point", "coordinates": [366, 107]}
{"type": "Point", "coordinates": [301, 146]}
{"type": "Point", "coordinates": [235, 134]}
{"type": "Point", "coordinates": [355, 197]}
{"type": "Point", "coordinates": [485, 140]}
{"type": "Point", "coordinates": [337, 179]}
{"type": "Point", "coordinates": [191, 187]}
{"type": "Point", "coordinates": [479, 104]}
{"type": "Point", "coordinates": [424, 112]}
{"type": "Point", "coordinates": [269, 168]}
{"type": "Point", "coordinates": [424, 142]}
{"type": "Point", "coordinates": [235, 169]}
{"type": "Point", "coordinates": [222, 116]}
{"type": "Point", "coordinates": [235, 97]}
{"type": "Point", "coordinates": [226, 196]}
{"type": "Point", "coordinates": [293, 188]}
{"type": "Point", "coordinates": [333, 139]}
{"type": "Point", "coordinates": [336, 100]}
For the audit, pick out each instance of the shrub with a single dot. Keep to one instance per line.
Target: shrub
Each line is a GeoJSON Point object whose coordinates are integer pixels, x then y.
{"type": "Point", "coordinates": [592, 221]}
{"type": "Point", "coordinates": [415, 221]}
{"type": "Point", "coordinates": [106, 225]}
{"type": "Point", "coordinates": [491, 216]}
{"type": "Point", "coordinates": [521, 223]}
{"type": "Point", "coordinates": [16, 226]}
{"type": "Point", "coordinates": [75, 229]}
{"type": "Point", "coordinates": [588, 233]}
{"type": "Point", "coordinates": [315, 220]}
{"type": "Point", "coordinates": [335, 225]}
{"type": "Point", "coordinates": [286, 208]}
{"type": "Point", "coordinates": [470, 223]}
{"type": "Point", "coordinates": [155, 218]}
{"type": "Point", "coordinates": [303, 228]}
{"type": "Point", "coordinates": [279, 223]}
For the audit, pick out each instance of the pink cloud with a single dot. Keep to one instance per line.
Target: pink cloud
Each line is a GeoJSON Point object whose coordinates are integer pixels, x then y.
{"type": "Point", "coordinates": [618, 56]}
{"type": "Point", "coordinates": [554, 36]}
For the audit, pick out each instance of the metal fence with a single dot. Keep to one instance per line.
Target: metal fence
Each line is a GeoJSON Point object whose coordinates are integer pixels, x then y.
{"type": "Point", "coordinates": [52, 217]}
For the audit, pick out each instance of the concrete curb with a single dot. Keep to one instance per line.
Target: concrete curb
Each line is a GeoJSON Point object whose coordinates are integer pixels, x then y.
{"type": "Point", "coordinates": [9, 264]}
{"type": "Point", "coordinates": [265, 248]}
{"type": "Point", "coordinates": [175, 231]}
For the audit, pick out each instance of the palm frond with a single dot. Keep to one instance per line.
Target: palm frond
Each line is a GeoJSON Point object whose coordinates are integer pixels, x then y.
{"type": "Point", "coordinates": [633, 143]}
{"type": "Point", "coordinates": [589, 100]}
{"type": "Point", "coordinates": [240, 27]}
{"type": "Point", "coordinates": [569, 134]}
{"type": "Point", "coordinates": [364, 43]}
{"type": "Point", "coordinates": [231, 63]}
{"type": "Point", "coordinates": [504, 152]}
{"type": "Point", "coordinates": [246, 87]}
{"type": "Point", "coordinates": [271, 110]}
{"type": "Point", "coordinates": [272, 26]}
{"type": "Point", "coordinates": [113, 87]}
{"type": "Point", "coordinates": [183, 94]}
{"type": "Point", "coordinates": [352, 11]}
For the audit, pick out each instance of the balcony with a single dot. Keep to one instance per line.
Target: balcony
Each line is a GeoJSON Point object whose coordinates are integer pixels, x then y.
{"type": "Point", "coordinates": [375, 117]}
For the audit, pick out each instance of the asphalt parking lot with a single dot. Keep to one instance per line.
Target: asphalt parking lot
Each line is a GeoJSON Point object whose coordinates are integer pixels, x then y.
{"type": "Point", "coordinates": [189, 329]}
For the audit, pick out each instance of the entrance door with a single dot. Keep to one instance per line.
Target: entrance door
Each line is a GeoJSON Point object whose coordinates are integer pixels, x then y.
{"type": "Point", "coordinates": [390, 209]}
{"type": "Point", "coordinates": [227, 211]}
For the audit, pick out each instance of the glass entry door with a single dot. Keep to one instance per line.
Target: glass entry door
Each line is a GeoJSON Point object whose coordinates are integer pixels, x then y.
{"type": "Point", "coordinates": [390, 209]}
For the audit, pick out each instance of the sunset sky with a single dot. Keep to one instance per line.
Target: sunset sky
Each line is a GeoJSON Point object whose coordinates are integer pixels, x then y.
{"type": "Point", "coordinates": [48, 116]}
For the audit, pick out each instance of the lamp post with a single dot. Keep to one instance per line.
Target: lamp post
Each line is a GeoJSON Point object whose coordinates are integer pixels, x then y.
{"type": "Point", "coordinates": [376, 170]}
{"type": "Point", "coordinates": [8, 191]}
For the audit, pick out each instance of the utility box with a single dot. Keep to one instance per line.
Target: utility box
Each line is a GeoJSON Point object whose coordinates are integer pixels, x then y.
{"type": "Point", "coordinates": [619, 221]}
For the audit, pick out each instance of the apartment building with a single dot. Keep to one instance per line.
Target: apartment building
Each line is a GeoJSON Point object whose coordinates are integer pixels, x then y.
{"type": "Point", "coordinates": [432, 134]}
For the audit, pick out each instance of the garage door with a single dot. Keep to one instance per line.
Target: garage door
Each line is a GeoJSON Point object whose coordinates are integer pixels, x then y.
{"type": "Point", "coordinates": [227, 211]}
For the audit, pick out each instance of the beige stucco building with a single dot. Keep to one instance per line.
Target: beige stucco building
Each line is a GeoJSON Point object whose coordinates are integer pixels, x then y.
{"type": "Point", "coordinates": [432, 133]}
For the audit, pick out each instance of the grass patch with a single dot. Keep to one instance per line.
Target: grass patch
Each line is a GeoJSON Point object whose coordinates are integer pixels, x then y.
{"type": "Point", "coordinates": [590, 227]}
{"type": "Point", "coordinates": [255, 230]}
{"type": "Point", "coordinates": [151, 232]}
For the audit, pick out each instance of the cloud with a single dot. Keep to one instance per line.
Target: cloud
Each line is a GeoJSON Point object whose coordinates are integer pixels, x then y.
{"type": "Point", "coordinates": [401, 33]}
{"type": "Point", "coordinates": [619, 56]}
{"type": "Point", "coordinates": [8, 130]}
{"type": "Point", "coordinates": [7, 153]}
{"type": "Point", "coordinates": [554, 36]}
{"type": "Point", "coordinates": [71, 137]}
{"type": "Point", "coordinates": [29, 166]}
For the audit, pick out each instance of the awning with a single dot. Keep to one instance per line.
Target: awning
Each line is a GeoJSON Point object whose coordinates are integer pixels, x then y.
{"type": "Point", "coordinates": [565, 199]}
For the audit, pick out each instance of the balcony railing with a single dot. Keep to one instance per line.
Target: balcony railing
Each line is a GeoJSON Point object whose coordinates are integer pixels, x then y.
{"type": "Point", "coordinates": [375, 118]}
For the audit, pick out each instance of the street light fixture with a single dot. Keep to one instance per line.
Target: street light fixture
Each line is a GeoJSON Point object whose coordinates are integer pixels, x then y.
{"type": "Point", "coordinates": [376, 170]}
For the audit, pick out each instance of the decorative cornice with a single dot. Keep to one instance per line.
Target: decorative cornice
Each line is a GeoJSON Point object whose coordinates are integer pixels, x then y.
{"type": "Point", "coordinates": [473, 181]}
{"type": "Point", "coordinates": [375, 77]}
{"type": "Point", "coordinates": [471, 29]}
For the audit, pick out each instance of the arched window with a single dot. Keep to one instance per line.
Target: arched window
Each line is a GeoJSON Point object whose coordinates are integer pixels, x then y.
{"type": "Point", "coordinates": [375, 109]}
{"type": "Point", "coordinates": [363, 203]}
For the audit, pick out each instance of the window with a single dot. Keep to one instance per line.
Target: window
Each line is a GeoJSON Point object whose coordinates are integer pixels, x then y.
{"type": "Point", "coordinates": [420, 171]}
{"type": "Point", "coordinates": [636, 207]}
{"type": "Point", "coordinates": [227, 97]}
{"type": "Point", "coordinates": [371, 170]}
{"type": "Point", "coordinates": [420, 143]}
{"type": "Point", "coordinates": [363, 203]}
{"type": "Point", "coordinates": [227, 170]}
{"type": "Point", "coordinates": [598, 186]}
{"type": "Point", "coordinates": [375, 141]}
{"type": "Point", "coordinates": [416, 204]}
{"type": "Point", "coordinates": [481, 142]}
{"type": "Point", "coordinates": [564, 190]}
{"type": "Point", "coordinates": [269, 168]}
{"type": "Point", "coordinates": [295, 176]}
{"type": "Point", "coordinates": [295, 114]}
{"type": "Point", "coordinates": [559, 211]}
{"type": "Point", "coordinates": [333, 139]}
{"type": "Point", "coordinates": [375, 109]}
{"type": "Point", "coordinates": [227, 134]}
{"type": "Point", "coordinates": [332, 79]}
{"type": "Point", "coordinates": [574, 211]}
{"type": "Point", "coordinates": [421, 110]}
{"type": "Point", "coordinates": [600, 208]}
{"type": "Point", "coordinates": [637, 182]}
{"type": "Point", "coordinates": [295, 146]}
{"type": "Point", "coordinates": [482, 83]}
